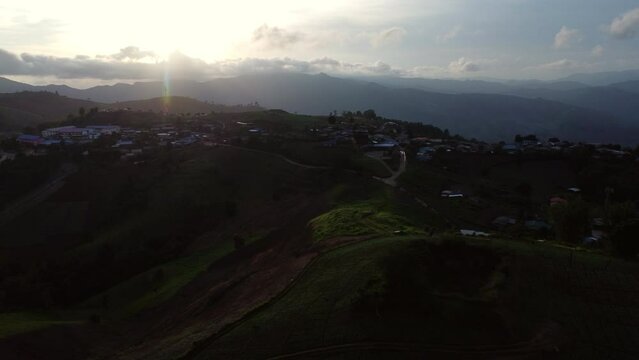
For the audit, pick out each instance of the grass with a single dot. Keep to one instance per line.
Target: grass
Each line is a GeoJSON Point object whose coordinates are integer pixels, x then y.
{"type": "Point", "coordinates": [318, 310]}
{"type": "Point", "coordinates": [21, 322]}
{"type": "Point", "coordinates": [542, 284]}
{"type": "Point", "coordinates": [365, 218]}
{"type": "Point", "coordinates": [370, 166]}
{"type": "Point", "coordinates": [379, 215]}
{"type": "Point", "coordinates": [150, 289]}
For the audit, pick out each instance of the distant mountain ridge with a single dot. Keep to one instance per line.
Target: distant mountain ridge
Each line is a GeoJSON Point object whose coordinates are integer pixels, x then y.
{"type": "Point", "coordinates": [181, 105]}
{"type": "Point", "coordinates": [495, 111]}
{"type": "Point", "coordinates": [604, 78]}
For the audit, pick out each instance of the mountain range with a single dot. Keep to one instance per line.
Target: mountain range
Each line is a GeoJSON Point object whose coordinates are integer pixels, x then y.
{"type": "Point", "coordinates": [583, 107]}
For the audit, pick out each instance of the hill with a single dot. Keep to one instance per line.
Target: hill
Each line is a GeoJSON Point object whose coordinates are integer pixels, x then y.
{"type": "Point", "coordinates": [10, 86]}
{"type": "Point", "coordinates": [604, 78]}
{"type": "Point", "coordinates": [28, 108]}
{"type": "Point", "coordinates": [18, 110]}
{"type": "Point", "coordinates": [630, 86]}
{"type": "Point", "coordinates": [182, 105]}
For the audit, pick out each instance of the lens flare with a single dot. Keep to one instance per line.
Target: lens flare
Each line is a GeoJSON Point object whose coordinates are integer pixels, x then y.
{"type": "Point", "coordinates": [166, 91]}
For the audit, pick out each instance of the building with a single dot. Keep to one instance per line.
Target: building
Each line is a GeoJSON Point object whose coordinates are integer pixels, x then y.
{"type": "Point", "coordinates": [29, 139]}
{"type": "Point", "coordinates": [106, 129]}
{"type": "Point", "coordinates": [71, 133]}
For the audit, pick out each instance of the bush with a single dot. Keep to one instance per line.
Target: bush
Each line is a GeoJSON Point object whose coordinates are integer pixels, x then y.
{"type": "Point", "coordinates": [625, 239]}
{"type": "Point", "coordinates": [570, 220]}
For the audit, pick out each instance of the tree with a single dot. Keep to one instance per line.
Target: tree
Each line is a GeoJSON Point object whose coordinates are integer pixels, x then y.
{"type": "Point", "coordinates": [370, 114]}
{"type": "Point", "coordinates": [524, 190]}
{"type": "Point", "coordinates": [332, 119]}
{"type": "Point", "coordinates": [81, 111]}
{"type": "Point", "coordinates": [624, 239]}
{"type": "Point", "coordinates": [30, 130]}
{"type": "Point", "coordinates": [570, 220]}
{"type": "Point", "coordinates": [618, 213]}
{"type": "Point", "coordinates": [518, 138]}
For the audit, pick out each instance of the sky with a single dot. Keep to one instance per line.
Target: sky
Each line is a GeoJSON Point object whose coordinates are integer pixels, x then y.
{"type": "Point", "coordinates": [85, 43]}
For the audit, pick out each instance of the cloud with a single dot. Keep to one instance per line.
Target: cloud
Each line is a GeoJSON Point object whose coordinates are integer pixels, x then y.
{"type": "Point", "coordinates": [463, 65]}
{"type": "Point", "coordinates": [450, 35]}
{"type": "Point", "coordinates": [563, 64]}
{"type": "Point", "coordinates": [565, 37]}
{"type": "Point", "coordinates": [10, 64]}
{"type": "Point", "coordinates": [132, 53]}
{"type": "Point", "coordinates": [389, 36]}
{"type": "Point", "coordinates": [21, 32]}
{"type": "Point", "coordinates": [274, 37]}
{"type": "Point", "coordinates": [597, 51]}
{"type": "Point", "coordinates": [625, 26]}
{"type": "Point", "coordinates": [178, 65]}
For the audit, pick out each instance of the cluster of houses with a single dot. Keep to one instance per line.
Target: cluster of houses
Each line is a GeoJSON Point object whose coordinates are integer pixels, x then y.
{"type": "Point", "coordinates": [68, 134]}
{"type": "Point", "coordinates": [427, 147]}
{"type": "Point", "coordinates": [554, 145]}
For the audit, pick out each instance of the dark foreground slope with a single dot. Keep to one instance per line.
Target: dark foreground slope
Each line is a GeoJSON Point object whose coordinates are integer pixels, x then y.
{"type": "Point", "coordinates": [439, 298]}
{"type": "Point", "coordinates": [227, 252]}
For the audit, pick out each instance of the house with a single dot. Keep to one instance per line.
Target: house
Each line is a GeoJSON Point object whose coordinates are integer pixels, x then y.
{"type": "Point", "coordinates": [50, 142]}
{"type": "Point", "coordinates": [6, 156]}
{"type": "Point", "coordinates": [466, 232]}
{"type": "Point", "coordinates": [29, 139]}
{"type": "Point", "coordinates": [556, 200]}
{"type": "Point", "coordinates": [537, 225]}
{"type": "Point", "coordinates": [105, 129]}
{"type": "Point", "coordinates": [71, 133]}
{"type": "Point", "coordinates": [502, 221]}
{"type": "Point", "coordinates": [123, 143]}
{"type": "Point", "coordinates": [51, 132]}
{"type": "Point", "coordinates": [510, 148]}
{"type": "Point", "coordinates": [451, 194]}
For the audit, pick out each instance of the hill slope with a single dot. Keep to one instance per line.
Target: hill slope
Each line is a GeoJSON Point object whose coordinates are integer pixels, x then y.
{"type": "Point", "coordinates": [18, 110]}
{"type": "Point", "coordinates": [181, 104]}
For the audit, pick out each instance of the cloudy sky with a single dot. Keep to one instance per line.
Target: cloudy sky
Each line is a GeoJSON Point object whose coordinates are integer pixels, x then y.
{"type": "Point", "coordinates": [83, 43]}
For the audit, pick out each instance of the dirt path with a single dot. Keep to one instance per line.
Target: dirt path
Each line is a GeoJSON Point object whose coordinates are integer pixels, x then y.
{"type": "Point", "coordinates": [392, 180]}
{"type": "Point", "coordinates": [38, 195]}
{"type": "Point", "coordinates": [292, 162]}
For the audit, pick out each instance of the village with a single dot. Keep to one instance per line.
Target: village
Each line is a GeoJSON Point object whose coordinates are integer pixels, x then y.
{"type": "Point", "coordinates": [389, 144]}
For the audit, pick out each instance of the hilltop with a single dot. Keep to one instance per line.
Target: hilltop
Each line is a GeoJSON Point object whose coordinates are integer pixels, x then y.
{"type": "Point", "coordinates": [18, 110]}
{"type": "Point", "coordinates": [181, 105]}
{"type": "Point", "coordinates": [28, 108]}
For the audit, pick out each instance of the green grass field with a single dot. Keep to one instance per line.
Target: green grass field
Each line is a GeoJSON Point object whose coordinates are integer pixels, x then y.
{"type": "Point", "coordinates": [372, 208]}
{"type": "Point", "coordinates": [535, 286]}
{"type": "Point", "coordinates": [21, 322]}
{"type": "Point", "coordinates": [364, 218]}
{"type": "Point", "coordinates": [150, 289]}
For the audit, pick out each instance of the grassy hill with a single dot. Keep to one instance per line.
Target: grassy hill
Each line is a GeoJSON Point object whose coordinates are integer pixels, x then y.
{"type": "Point", "coordinates": [441, 296]}
{"type": "Point", "coordinates": [22, 109]}
{"type": "Point", "coordinates": [18, 110]}
{"type": "Point", "coordinates": [182, 105]}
